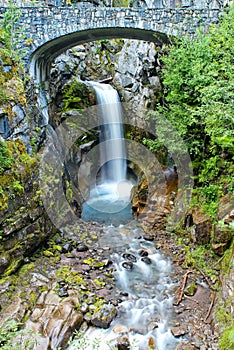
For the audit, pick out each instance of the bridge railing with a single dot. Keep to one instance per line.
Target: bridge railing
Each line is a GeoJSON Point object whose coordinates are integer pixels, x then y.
{"type": "Point", "coordinates": [201, 4]}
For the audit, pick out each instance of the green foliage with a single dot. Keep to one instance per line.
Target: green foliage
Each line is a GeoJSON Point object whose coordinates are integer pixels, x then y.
{"type": "Point", "coordinates": [5, 158]}
{"type": "Point", "coordinates": [12, 35]}
{"type": "Point", "coordinates": [18, 188]}
{"type": "Point", "coordinates": [81, 341]}
{"type": "Point", "coordinates": [198, 79]}
{"type": "Point", "coordinates": [11, 336]}
{"type": "Point", "coordinates": [226, 341]}
{"type": "Point", "coordinates": [200, 258]}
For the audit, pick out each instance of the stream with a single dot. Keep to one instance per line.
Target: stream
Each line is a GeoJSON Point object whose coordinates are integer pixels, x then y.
{"type": "Point", "coordinates": [141, 273]}
{"type": "Point", "coordinates": [143, 282]}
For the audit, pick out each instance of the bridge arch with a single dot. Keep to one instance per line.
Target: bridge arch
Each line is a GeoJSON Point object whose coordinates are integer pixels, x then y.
{"type": "Point", "coordinates": [41, 58]}
{"type": "Point", "coordinates": [52, 30]}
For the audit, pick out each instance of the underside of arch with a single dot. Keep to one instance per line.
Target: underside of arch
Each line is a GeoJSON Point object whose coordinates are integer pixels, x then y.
{"type": "Point", "coordinates": [40, 60]}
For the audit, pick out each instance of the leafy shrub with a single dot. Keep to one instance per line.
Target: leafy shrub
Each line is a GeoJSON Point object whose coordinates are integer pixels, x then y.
{"type": "Point", "coordinates": [198, 79]}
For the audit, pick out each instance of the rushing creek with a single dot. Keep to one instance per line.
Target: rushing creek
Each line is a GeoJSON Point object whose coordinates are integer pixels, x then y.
{"type": "Point", "coordinates": [142, 274]}
{"type": "Point", "coordinates": [143, 282]}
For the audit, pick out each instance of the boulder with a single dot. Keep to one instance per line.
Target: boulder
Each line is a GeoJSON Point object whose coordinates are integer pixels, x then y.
{"type": "Point", "coordinates": [202, 227]}
{"type": "Point", "coordinates": [103, 317]}
{"type": "Point", "coordinates": [54, 321]}
{"type": "Point", "coordinates": [224, 229]}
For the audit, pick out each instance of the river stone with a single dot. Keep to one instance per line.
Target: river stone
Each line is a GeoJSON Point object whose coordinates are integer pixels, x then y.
{"type": "Point", "coordinates": [82, 248]}
{"type": "Point", "coordinates": [186, 346]}
{"type": "Point", "coordinates": [148, 238]}
{"type": "Point", "coordinates": [123, 343]}
{"type": "Point", "coordinates": [104, 316]}
{"type": "Point", "coordinates": [143, 253]}
{"type": "Point", "coordinates": [129, 257]}
{"type": "Point", "coordinates": [179, 331]}
{"type": "Point", "coordinates": [67, 248]}
{"type": "Point", "coordinates": [128, 265]}
{"type": "Point", "coordinates": [120, 329]}
{"type": "Point", "coordinates": [146, 260]}
{"type": "Point", "coordinates": [62, 292]}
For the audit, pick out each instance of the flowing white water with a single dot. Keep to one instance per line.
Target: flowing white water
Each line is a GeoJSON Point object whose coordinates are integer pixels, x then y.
{"type": "Point", "coordinates": [142, 273]}
{"type": "Point", "coordinates": [110, 197]}
{"type": "Point", "coordinates": [112, 130]}
{"type": "Point", "coordinates": [145, 313]}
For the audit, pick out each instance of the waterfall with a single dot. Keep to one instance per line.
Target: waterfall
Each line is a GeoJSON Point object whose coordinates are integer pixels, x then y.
{"type": "Point", "coordinates": [112, 134]}
{"type": "Point", "coordinates": [111, 193]}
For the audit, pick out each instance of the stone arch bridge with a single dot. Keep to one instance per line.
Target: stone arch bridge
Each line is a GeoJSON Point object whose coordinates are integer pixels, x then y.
{"type": "Point", "coordinates": [50, 30]}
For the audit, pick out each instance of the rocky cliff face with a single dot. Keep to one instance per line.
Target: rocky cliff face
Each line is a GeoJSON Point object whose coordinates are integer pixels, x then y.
{"type": "Point", "coordinates": [132, 67]}
{"type": "Point", "coordinates": [24, 224]}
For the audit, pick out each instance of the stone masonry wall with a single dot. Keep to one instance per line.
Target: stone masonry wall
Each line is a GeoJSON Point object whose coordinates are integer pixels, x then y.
{"type": "Point", "coordinates": [43, 24]}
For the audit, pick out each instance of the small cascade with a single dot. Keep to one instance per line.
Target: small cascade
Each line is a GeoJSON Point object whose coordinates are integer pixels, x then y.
{"type": "Point", "coordinates": [110, 197]}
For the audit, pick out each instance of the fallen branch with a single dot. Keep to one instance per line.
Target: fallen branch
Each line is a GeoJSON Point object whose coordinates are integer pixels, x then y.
{"type": "Point", "coordinates": [180, 290]}
{"type": "Point", "coordinates": [211, 305]}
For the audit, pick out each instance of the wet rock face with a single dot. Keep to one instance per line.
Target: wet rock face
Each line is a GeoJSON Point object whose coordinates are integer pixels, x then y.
{"type": "Point", "coordinates": [203, 231]}
{"type": "Point", "coordinates": [61, 289]}
{"type": "Point", "coordinates": [153, 204]}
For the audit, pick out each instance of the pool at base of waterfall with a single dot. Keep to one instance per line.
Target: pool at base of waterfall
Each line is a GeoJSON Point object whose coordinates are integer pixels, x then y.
{"type": "Point", "coordinates": [109, 204]}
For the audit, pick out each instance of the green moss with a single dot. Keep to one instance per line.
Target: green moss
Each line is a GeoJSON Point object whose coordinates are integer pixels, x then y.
{"type": "Point", "coordinates": [76, 95]}
{"type": "Point", "coordinates": [71, 277]}
{"type": "Point", "coordinates": [94, 263]}
{"type": "Point", "coordinates": [48, 253]}
{"type": "Point", "coordinates": [226, 341]}
{"type": "Point", "coordinates": [5, 157]}
{"type": "Point", "coordinates": [13, 267]}
{"type": "Point", "coordinates": [99, 302]}
{"type": "Point", "coordinates": [223, 314]}
{"type": "Point", "coordinates": [121, 3]}
{"type": "Point", "coordinates": [33, 298]}
{"type": "Point", "coordinates": [226, 261]}
{"type": "Point", "coordinates": [191, 289]}
{"type": "Point", "coordinates": [16, 166]}
{"type": "Point", "coordinates": [99, 282]}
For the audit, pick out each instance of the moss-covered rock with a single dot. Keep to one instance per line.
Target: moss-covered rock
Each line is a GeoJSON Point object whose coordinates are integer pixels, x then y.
{"type": "Point", "coordinates": [24, 223]}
